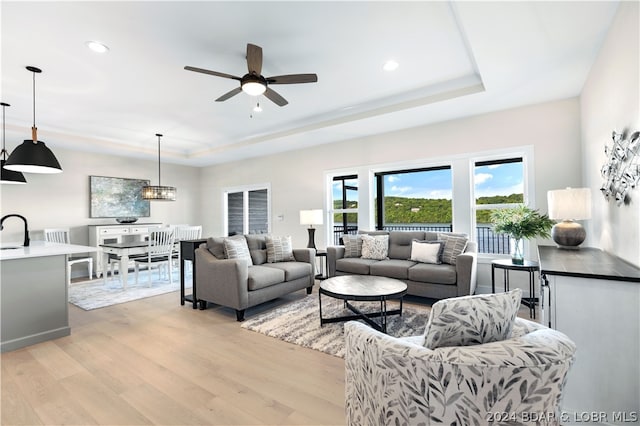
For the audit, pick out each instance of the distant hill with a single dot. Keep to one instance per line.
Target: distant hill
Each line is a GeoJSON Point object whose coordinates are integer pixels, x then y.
{"type": "Point", "coordinates": [426, 210]}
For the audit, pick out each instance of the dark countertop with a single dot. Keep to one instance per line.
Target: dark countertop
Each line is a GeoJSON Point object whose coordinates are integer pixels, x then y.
{"type": "Point", "coordinates": [587, 262]}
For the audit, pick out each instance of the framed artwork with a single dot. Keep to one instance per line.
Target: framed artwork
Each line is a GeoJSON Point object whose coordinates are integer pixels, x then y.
{"type": "Point", "coordinates": [113, 197]}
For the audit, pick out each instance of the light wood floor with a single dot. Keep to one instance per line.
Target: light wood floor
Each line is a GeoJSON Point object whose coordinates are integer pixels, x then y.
{"type": "Point", "coordinates": [154, 361]}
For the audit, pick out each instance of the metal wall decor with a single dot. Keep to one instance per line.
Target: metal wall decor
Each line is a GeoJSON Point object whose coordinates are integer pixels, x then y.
{"type": "Point", "coordinates": [621, 172]}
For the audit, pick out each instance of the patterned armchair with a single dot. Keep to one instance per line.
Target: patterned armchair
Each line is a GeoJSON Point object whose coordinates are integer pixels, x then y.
{"type": "Point", "coordinates": [399, 381]}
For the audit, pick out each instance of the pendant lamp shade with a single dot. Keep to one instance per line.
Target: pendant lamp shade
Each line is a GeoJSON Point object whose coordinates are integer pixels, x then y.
{"type": "Point", "coordinates": [8, 176]}
{"type": "Point", "coordinates": [159, 192]}
{"type": "Point", "coordinates": [33, 156]}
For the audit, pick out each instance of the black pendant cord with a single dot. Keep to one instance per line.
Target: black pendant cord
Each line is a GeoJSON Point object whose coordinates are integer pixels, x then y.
{"type": "Point", "coordinates": [4, 150]}
{"type": "Point", "coordinates": [34, 129]}
{"type": "Point", "coordinates": [159, 136]}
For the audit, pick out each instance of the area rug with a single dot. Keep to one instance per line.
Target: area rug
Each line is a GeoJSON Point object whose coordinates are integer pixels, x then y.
{"type": "Point", "coordinates": [299, 323]}
{"type": "Point", "coordinates": [96, 294]}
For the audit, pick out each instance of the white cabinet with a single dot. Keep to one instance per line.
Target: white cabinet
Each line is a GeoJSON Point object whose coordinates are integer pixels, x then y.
{"type": "Point", "coordinates": [100, 234]}
{"type": "Point", "coordinates": [594, 298]}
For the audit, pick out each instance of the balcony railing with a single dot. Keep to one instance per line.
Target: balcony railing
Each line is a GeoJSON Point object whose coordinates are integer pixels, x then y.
{"type": "Point", "coordinates": [488, 241]}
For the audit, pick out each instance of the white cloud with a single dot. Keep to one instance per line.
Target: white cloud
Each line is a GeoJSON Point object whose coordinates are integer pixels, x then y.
{"type": "Point", "coordinates": [392, 179]}
{"type": "Point", "coordinates": [440, 193]}
{"type": "Point", "coordinates": [400, 189]}
{"type": "Point", "coordinates": [481, 178]}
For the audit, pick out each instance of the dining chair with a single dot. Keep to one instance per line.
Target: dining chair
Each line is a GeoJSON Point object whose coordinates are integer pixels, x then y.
{"type": "Point", "coordinates": [61, 236]}
{"type": "Point", "coordinates": [159, 252]}
{"type": "Point", "coordinates": [185, 233]}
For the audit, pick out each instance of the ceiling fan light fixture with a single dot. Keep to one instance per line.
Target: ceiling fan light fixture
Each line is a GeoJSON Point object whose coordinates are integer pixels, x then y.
{"type": "Point", "coordinates": [159, 192]}
{"type": "Point", "coordinates": [253, 88]}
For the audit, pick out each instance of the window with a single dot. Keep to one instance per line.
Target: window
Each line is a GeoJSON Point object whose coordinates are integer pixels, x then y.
{"type": "Point", "coordinates": [345, 206]}
{"type": "Point", "coordinates": [416, 199]}
{"type": "Point", "coordinates": [497, 184]}
{"type": "Point", "coordinates": [247, 211]}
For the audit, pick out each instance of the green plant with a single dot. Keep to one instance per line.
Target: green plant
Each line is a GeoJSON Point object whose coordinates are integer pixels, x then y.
{"type": "Point", "coordinates": [521, 222]}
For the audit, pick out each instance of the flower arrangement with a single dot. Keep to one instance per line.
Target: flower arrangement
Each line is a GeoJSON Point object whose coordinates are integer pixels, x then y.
{"type": "Point", "coordinates": [521, 222]}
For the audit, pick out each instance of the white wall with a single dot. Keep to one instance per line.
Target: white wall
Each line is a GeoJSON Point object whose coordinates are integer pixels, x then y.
{"type": "Point", "coordinates": [297, 177]}
{"type": "Point", "coordinates": [62, 200]}
{"type": "Point", "coordinates": [610, 101]}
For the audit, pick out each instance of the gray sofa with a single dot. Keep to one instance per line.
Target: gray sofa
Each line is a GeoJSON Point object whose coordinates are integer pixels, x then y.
{"type": "Point", "coordinates": [235, 284]}
{"type": "Point", "coordinates": [437, 281]}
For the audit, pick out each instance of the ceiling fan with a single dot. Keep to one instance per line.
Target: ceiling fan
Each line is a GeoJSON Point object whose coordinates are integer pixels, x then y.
{"type": "Point", "coordinates": [253, 83]}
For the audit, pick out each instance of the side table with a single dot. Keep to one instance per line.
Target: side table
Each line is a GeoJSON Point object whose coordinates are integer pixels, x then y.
{"type": "Point", "coordinates": [528, 266]}
{"type": "Point", "coordinates": [187, 252]}
{"type": "Point", "coordinates": [323, 269]}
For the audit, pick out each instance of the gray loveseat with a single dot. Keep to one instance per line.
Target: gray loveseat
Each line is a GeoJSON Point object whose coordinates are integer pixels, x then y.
{"type": "Point", "coordinates": [236, 284]}
{"type": "Point", "coordinates": [437, 281]}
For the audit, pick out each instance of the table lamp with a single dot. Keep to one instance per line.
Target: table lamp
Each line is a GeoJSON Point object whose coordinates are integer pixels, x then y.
{"type": "Point", "coordinates": [569, 205]}
{"type": "Point", "coordinates": [311, 217]}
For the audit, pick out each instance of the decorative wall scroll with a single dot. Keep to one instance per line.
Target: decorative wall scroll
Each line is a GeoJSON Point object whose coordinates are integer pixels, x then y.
{"type": "Point", "coordinates": [622, 169]}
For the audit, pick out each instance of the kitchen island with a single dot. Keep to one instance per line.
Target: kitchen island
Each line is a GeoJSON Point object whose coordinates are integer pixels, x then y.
{"type": "Point", "coordinates": [33, 292]}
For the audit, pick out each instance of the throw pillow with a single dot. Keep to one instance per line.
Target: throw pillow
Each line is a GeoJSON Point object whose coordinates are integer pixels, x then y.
{"type": "Point", "coordinates": [236, 248]}
{"type": "Point", "coordinates": [279, 249]}
{"type": "Point", "coordinates": [375, 247]}
{"type": "Point", "coordinates": [352, 245]}
{"type": "Point", "coordinates": [427, 251]}
{"type": "Point", "coordinates": [454, 244]}
{"type": "Point", "coordinates": [472, 320]}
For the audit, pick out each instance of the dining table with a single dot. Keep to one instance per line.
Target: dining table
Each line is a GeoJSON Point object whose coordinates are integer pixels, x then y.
{"type": "Point", "coordinates": [124, 250]}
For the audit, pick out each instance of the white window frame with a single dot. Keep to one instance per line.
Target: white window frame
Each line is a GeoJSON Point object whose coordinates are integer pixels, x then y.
{"type": "Point", "coordinates": [245, 189]}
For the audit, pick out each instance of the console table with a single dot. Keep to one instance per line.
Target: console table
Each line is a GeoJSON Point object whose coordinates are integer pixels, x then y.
{"type": "Point", "coordinates": [117, 233]}
{"type": "Point", "coordinates": [187, 252]}
{"type": "Point", "coordinates": [594, 298]}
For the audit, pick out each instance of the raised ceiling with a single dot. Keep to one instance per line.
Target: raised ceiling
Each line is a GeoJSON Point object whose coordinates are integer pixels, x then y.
{"type": "Point", "coordinates": [455, 59]}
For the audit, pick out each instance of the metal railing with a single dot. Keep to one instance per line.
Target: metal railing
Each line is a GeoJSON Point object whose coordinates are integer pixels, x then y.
{"type": "Point", "coordinates": [488, 241]}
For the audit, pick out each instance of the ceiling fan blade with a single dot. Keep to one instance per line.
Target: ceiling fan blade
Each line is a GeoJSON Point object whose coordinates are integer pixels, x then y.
{"type": "Point", "coordinates": [229, 94]}
{"type": "Point", "coordinates": [216, 73]}
{"type": "Point", "coordinates": [274, 97]}
{"type": "Point", "coordinates": [293, 79]}
{"type": "Point", "coordinates": [254, 59]}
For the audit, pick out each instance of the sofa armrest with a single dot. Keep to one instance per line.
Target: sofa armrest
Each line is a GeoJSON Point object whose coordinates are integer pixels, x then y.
{"type": "Point", "coordinates": [333, 253]}
{"type": "Point", "coordinates": [307, 255]}
{"type": "Point", "coordinates": [222, 281]}
{"type": "Point", "coordinates": [466, 270]}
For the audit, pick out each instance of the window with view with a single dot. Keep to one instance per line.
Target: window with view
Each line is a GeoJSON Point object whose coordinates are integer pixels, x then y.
{"type": "Point", "coordinates": [416, 199]}
{"type": "Point", "coordinates": [345, 206]}
{"type": "Point", "coordinates": [497, 184]}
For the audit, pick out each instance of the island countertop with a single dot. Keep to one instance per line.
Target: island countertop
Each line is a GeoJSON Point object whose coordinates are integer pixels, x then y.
{"type": "Point", "coordinates": [9, 251]}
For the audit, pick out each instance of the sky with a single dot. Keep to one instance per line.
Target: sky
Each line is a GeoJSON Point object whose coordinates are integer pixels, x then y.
{"type": "Point", "coordinates": [499, 179]}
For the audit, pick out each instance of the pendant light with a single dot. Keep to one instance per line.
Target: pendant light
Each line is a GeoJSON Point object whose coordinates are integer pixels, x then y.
{"type": "Point", "coordinates": [159, 192]}
{"type": "Point", "coordinates": [33, 156]}
{"type": "Point", "coordinates": [8, 176]}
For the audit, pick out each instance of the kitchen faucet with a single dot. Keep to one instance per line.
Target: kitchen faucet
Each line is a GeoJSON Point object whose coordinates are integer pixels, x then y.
{"type": "Point", "coordinates": [26, 227]}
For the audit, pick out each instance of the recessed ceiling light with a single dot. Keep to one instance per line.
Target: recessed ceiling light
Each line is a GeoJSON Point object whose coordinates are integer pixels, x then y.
{"type": "Point", "coordinates": [390, 65]}
{"type": "Point", "coordinates": [97, 47]}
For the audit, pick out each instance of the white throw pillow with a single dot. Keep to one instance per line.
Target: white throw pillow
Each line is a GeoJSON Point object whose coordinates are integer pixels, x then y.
{"type": "Point", "coordinates": [236, 248]}
{"type": "Point", "coordinates": [472, 320]}
{"type": "Point", "coordinates": [427, 251]}
{"type": "Point", "coordinates": [279, 249]}
{"type": "Point", "coordinates": [375, 247]}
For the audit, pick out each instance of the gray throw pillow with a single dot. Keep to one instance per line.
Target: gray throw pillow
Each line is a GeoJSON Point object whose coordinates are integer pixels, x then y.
{"type": "Point", "coordinates": [454, 245]}
{"type": "Point", "coordinates": [472, 320]}
{"type": "Point", "coordinates": [215, 245]}
{"type": "Point", "coordinates": [279, 249]}
{"type": "Point", "coordinates": [352, 245]}
{"type": "Point", "coordinates": [236, 248]}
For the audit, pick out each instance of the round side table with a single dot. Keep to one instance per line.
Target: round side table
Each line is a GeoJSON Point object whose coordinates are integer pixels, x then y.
{"type": "Point", "coordinates": [528, 266]}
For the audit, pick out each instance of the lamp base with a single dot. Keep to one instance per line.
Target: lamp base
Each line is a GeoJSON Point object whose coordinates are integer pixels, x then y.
{"type": "Point", "coordinates": [312, 239]}
{"type": "Point", "coordinates": [568, 235]}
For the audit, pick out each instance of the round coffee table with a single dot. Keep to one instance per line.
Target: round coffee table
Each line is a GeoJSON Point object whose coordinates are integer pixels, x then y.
{"type": "Point", "coordinates": [363, 288]}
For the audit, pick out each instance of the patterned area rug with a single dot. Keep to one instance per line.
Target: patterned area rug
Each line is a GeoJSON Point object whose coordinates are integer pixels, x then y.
{"type": "Point", "coordinates": [95, 294]}
{"type": "Point", "coordinates": [299, 323]}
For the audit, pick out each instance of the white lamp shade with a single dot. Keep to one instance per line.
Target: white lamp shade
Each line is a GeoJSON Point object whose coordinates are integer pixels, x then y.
{"type": "Point", "coordinates": [569, 204]}
{"type": "Point", "coordinates": [311, 217]}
